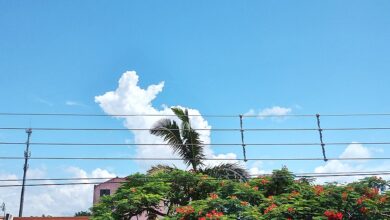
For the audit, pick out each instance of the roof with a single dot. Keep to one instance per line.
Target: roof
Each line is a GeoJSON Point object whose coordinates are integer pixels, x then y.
{"type": "Point", "coordinates": [113, 180]}
{"type": "Point", "coordinates": [52, 218]}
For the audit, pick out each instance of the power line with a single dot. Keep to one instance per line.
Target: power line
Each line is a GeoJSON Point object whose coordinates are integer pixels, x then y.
{"type": "Point", "coordinates": [174, 159]}
{"type": "Point", "coordinates": [253, 176]}
{"type": "Point", "coordinates": [198, 129]}
{"type": "Point", "coordinates": [211, 144]}
{"type": "Point", "coordinates": [149, 129]}
{"type": "Point", "coordinates": [193, 115]}
{"type": "Point", "coordinates": [59, 179]}
{"type": "Point", "coordinates": [167, 180]}
{"type": "Point", "coordinates": [142, 115]}
{"type": "Point", "coordinates": [105, 115]}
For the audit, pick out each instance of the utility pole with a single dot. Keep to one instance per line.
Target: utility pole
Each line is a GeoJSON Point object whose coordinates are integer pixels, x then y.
{"type": "Point", "coordinates": [27, 154]}
{"type": "Point", "coordinates": [3, 208]}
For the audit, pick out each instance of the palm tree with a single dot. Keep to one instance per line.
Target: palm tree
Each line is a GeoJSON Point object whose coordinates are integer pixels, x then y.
{"type": "Point", "coordinates": [185, 141]}
{"type": "Point", "coordinates": [226, 171]}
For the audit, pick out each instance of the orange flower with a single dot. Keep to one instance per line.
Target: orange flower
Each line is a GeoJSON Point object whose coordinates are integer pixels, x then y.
{"type": "Point", "coordinates": [270, 208]}
{"type": "Point", "coordinates": [318, 189]}
{"type": "Point", "coordinates": [214, 215]}
{"type": "Point", "coordinates": [213, 196]}
{"type": "Point", "coordinates": [293, 194]}
{"type": "Point", "coordinates": [264, 181]}
{"type": "Point", "coordinates": [344, 196]}
{"type": "Point", "coordinates": [361, 200]}
{"type": "Point", "coordinates": [133, 189]}
{"type": "Point", "coordinates": [256, 188]}
{"type": "Point", "coordinates": [333, 215]}
{"type": "Point", "coordinates": [243, 203]}
{"type": "Point", "coordinates": [290, 209]}
{"type": "Point", "coordinates": [372, 192]}
{"type": "Point", "coordinates": [383, 199]}
{"type": "Point", "coordinates": [204, 177]}
{"type": "Point", "coordinates": [186, 210]}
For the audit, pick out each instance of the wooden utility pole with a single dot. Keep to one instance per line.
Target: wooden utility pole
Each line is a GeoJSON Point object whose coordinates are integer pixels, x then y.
{"type": "Point", "coordinates": [27, 154]}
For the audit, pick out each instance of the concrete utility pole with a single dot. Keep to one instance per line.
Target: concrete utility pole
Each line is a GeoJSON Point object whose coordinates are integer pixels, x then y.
{"type": "Point", "coordinates": [27, 154]}
{"type": "Point", "coordinates": [3, 208]}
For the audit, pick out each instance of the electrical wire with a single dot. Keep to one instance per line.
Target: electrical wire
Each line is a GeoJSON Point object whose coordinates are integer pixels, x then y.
{"type": "Point", "coordinates": [358, 173]}
{"type": "Point", "coordinates": [170, 180]}
{"type": "Point", "coordinates": [211, 144]}
{"type": "Point", "coordinates": [142, 115]}
{"type": "Point", "coordinates": [307, 175]}
{"type": "Point", "coordinates": [174, 159]}
{"type": "Point", "coordinates": [197, 129]}
{"type": "Point", "coordinates": [194, 115]}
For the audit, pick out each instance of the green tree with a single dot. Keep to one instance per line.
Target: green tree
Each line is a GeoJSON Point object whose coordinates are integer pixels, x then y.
{"type": "Point", "coordinates": [281, 182]}
{"type": "Point", "coordinates": [83, 213]}
{"type": "Point", "coordinates": [186, 141]}
{"type": "Point", "coordinates": [188, 195]}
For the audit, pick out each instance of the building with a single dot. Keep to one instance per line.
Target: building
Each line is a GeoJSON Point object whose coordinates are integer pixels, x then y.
{"type": "Point", "coordinates": [110, 187]}
{"type": "Point", "coordinates": [107, 188]}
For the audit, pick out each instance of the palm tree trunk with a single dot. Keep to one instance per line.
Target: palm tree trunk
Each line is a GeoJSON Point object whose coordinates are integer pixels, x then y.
{"type": "Point", "coordinates": [194, 166]}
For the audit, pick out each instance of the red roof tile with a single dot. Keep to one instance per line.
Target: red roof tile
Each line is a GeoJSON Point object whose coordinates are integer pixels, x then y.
{"type": "Point", "coordinates": [52, 218]}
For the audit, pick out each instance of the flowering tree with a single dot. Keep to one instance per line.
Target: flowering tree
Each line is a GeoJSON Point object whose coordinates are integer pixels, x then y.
{"type": "Point", "coordinates": [186, 195]}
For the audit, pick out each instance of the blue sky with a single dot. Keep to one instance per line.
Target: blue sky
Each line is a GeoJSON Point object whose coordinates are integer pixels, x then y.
{"type": "Point", "coordinates": [219, 57]}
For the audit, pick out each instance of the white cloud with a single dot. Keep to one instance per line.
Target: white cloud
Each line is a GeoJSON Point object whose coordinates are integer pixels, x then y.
{"type": "Point", "coordinates": [73, 103]}
{"type": "Point", "coordinates": [129, 98]}
{"type": "Point", "coordinates": [256, 171]}
{"type": "Point", "coordinates": [276, 111]}
{"type": "Point", "coordinates": [354, 150]}
{"type": "Point", "coordinates": [230, 158]}
{"type": "Point", "coordinates": [255, 168]}
{"type": "Point", "coordinates": [44, 101]}
{"type": "Point", "coordinates": [51, 200]}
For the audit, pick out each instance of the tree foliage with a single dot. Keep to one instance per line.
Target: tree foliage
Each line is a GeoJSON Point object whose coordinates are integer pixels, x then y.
{"type": "Point", "coordinates": [83, 213]}
{"type": "Point", "coordinates": [177, 194]}
{"type": "Point", "coordinates": [186, 142]}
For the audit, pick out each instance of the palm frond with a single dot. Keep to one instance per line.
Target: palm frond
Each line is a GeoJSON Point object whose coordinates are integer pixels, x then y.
{"type": "Point", "coordinates": [181, 114]}
{"type": "Point", "coordinates": [170, 132]}
{"type": "Point", "coordinates": [185, 125]}
{"type": "Point", "coordinates": [227, 171]}
{"type": "Point", "coordinates": [190, 137]}
{"type": "Point", "coordinates": [192, 140]}
{"type": "Point", "coordinates": [184, 140]}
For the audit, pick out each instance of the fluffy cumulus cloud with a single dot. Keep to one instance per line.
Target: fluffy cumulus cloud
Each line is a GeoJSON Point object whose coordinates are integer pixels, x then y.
{"type": "Point", "coordinates": [276, 111]}
{"type": "Point", "coordinates": [255, 169]}
{"type": "Point", "coordinates": [73, 103]}
{"type": "Point", "coordinates": [354, 150]}
{"type": "Point", "coordinates": [130, 99]}
{"type": "Point", "coordinates": [51, 200]}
